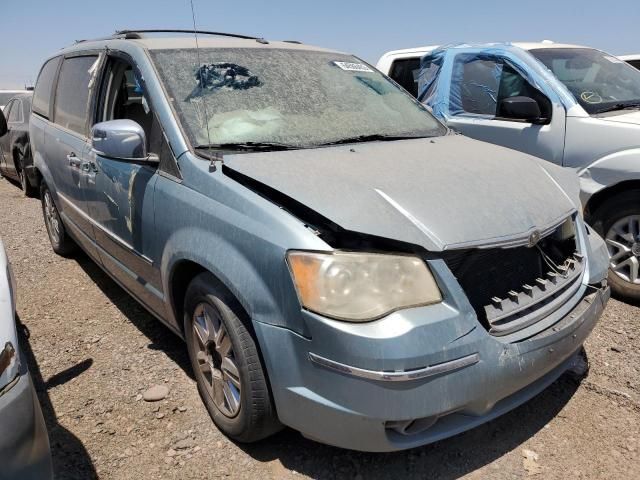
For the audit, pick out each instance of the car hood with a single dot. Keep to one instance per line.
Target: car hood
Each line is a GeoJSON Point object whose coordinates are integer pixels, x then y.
{"type": "Point", "coordinates": [442, 193]}
{"type": "Point", "coordinates": [623, 116]}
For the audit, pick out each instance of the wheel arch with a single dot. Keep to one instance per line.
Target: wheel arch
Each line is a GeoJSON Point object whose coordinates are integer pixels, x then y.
{"type": "Point", "coordinates": [608, 193]}
{"type": "Point", "coordinates": [182, 274]}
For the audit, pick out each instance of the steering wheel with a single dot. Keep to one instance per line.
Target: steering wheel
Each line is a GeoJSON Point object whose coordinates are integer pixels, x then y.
{"type": "Point", "coordinates": [591, 97]}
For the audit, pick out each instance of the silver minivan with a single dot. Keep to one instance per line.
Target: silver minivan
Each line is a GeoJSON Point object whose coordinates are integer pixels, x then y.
{"type": "Point", "coordinates": [336, 260]}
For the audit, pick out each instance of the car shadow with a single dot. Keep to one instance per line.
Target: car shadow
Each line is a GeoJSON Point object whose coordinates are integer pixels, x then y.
{"type": "Point", "coordinates": [447, 459]}
{"type": "Point", "coordinates": [161, 337]}
{"type": "Point", "coordinates": [71, 461]}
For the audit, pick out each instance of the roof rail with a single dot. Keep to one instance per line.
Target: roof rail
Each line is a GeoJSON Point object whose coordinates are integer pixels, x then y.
{"type": "Point", "coordinates": [131, 33]}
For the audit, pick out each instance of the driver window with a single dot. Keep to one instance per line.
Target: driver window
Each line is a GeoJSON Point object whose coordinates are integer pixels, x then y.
{"type": "Point", "coordinates": [124, 97]}
{"type": "Point", "coordinates": [484, 83]}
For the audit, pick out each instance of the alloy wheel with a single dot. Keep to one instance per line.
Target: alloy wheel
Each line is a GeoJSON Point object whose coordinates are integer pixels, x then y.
{"type": "Point", "coordinates": [623, 243]}
{"type": "Point", "coordinates": [216, 360]}
{"type": "Point", "coordinates": [51, 218]}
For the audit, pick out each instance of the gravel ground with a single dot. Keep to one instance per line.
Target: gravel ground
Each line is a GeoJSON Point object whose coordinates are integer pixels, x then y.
{"type": "Point", "coordinates": [93, 351]}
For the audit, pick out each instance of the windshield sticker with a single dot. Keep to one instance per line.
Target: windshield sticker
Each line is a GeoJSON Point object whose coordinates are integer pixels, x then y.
{"type": "Point", "coordinates": [353, 67]}
{"type": "Point", "coordinates": [217, 76]}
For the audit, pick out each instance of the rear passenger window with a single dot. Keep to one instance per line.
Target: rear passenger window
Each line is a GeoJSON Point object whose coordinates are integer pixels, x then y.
{"type": "Point", "coordinates": [72, 93]}
{"type": "Point", "coordinates": [44, 86]}
{"type": "Point", "coordinates": [406, 72]}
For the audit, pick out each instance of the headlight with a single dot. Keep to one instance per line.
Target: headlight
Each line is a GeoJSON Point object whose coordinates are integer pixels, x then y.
{"type": "Point", "coordinates": [361, 286]}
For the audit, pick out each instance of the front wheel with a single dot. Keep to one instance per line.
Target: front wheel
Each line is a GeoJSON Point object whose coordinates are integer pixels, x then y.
{"type": "Point", "coordinates": [226, 363]}
{"type": "Point", "coordinates": [61, 243]}
{"type": "Point", "coordinates": [618, 221]}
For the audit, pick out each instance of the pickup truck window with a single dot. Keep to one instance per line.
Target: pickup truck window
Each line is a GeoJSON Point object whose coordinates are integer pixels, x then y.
{"type": "Point", "coordinates": [405, 71]}
{"type": "Point", "coordinates": [598, 81]}
{"type": "Point", "coordinates": [482, 83]}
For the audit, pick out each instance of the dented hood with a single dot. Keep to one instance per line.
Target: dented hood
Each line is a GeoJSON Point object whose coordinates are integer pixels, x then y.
{"type": "Point", "coordinates": [442, 193]}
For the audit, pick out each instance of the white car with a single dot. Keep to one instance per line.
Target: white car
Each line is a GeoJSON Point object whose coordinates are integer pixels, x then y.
{"type": "Point", "coordinates": [633, 60]}
{"type": "Point", "coordinates": [24, 444]}
{"type": "Point", "coordinates": [404, 66]}
{"type": "Point", "coordinates": [6, 95]}
{"type": "Point", "coordinates": [571, 105]}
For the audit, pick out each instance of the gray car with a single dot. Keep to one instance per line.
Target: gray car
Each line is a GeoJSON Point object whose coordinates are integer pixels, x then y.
{"type": "Point", "coordinates": [24, 444]}
{"type": "Point", "coordinates": [336, 260]}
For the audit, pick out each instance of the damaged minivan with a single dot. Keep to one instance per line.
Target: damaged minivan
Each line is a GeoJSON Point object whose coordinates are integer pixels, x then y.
{"type": "Point", "coordinates": [335, 259]}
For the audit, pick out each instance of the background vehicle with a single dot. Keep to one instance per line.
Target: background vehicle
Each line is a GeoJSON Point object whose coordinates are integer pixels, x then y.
{"type": "Point", "coordinates": [404, 66]}
{"type": "Point", "coordinates": [247, 201]}
{"type": "Point", "coordinates": [24, 444]}
{"type": "Point", "coordinates": [574, 106]}
{"type": "Point", "coordinates": [6, 95]}
{"type": "Point", "coordinates": [15, 151]}
{"type": "Point", "coordinates": [633, 60]}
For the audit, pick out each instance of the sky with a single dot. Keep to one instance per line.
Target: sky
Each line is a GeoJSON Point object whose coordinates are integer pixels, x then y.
{"type": "Point", "coordinates": [35, 29]}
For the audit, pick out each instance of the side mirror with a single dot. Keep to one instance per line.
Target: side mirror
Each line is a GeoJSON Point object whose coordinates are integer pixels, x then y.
{"type": "Point", "coordinates": [521, 108]}
{"type": "Point", "coordinates": [3, 124]}
{"type": "Point", "coordinates": [120, 140]}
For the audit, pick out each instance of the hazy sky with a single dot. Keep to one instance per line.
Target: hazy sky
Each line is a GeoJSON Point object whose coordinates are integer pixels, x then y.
{"type": "Point", "coordinates": [34, 29]}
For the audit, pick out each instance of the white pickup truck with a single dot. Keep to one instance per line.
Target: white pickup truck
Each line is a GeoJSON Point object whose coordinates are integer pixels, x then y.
{"type": "Point", "coordinates": [571, 105]}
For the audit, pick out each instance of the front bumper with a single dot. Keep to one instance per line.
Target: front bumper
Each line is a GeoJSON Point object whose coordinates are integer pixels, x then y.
{"type": "Point", "coordinates": [352, 405]}
{"type": "Point", "coordinates": [24, 444]}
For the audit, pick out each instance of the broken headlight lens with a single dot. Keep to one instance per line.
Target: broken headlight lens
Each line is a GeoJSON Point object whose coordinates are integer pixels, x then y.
{"type": "Point", "coordinates": [361, 286]}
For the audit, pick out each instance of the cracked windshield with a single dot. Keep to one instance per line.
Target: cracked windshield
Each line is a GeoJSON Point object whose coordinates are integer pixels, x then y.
{"type": "Point", "coordinates": [292, 98]}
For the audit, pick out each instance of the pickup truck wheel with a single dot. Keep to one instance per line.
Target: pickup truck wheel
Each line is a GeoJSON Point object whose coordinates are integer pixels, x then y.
{"type": "Point", "coordinates": [226, 363]}
{"type": "Point", "coordinates": [618, 221]}
{"type": "Point", "coordinates": [61, 243]}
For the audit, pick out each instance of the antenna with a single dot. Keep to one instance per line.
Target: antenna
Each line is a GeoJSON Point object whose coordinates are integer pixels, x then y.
{"type": "Point", "coordinates": [212, 157]}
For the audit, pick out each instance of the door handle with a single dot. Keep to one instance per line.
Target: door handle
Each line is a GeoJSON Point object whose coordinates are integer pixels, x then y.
{"type": "Point", "coordinates": [74, 161]}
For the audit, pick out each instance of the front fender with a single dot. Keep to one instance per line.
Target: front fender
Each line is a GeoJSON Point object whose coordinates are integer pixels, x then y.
{"type": "Point", "coordinates": [246, 280]}
{"type": "Point", "coordinates": [608, 171]}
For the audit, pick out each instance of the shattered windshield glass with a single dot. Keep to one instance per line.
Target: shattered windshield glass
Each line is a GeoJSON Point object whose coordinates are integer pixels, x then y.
{"type": "Point", "coordinates": [298, 98]}
{"type": "Point", "coordinates": [598, 81]}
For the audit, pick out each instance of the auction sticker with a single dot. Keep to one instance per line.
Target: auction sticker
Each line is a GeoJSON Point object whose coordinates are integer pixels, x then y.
{"type": "Point", "coordinates": [353, 67]}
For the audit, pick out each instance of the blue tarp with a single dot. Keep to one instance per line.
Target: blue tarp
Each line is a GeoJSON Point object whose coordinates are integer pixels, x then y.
{"type": "Point", "coordinates": [465, 79]}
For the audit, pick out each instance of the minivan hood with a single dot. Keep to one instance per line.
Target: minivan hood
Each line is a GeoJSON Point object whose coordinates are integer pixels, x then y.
{"type": "Point", "coordinates": [442, 193]}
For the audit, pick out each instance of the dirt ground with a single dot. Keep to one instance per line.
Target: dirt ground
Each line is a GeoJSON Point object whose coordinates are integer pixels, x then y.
{"type": "Point", "coordinates": [92, 352]}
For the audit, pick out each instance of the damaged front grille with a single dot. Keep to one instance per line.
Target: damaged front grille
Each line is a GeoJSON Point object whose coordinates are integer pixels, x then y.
{"type": "Point", "coordinates": [513, 288]}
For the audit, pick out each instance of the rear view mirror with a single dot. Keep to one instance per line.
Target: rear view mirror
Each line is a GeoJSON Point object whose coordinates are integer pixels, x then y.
{"type": "Point", "coordinates": [521, 108]}
{"type": "Point", "coordinates": [120, 140]}
{"type": "Point", "coordinates": [3, 124]}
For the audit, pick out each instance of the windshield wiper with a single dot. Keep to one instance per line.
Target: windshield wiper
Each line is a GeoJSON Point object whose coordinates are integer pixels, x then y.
{"type": "Point", "coordinates": [249, 146]}
{"type": "Point", "coordinates": [619, 106]}
{"type": "Point", "coordinates": [371, 138]}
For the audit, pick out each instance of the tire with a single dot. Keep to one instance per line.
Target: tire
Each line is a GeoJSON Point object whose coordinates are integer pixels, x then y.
{"type": "Point", "coordinates": [618, 222]}
{"type": "Point", "coordinates": [225, 359]}
{"type": "Point", "coordinates": [29, 190]}
{"type": "Point", "coordinates": [61, 243]}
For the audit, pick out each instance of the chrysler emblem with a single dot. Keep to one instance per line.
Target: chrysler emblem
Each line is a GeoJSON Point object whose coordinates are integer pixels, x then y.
{"type": "Point", "coordinates": [534, 238]}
